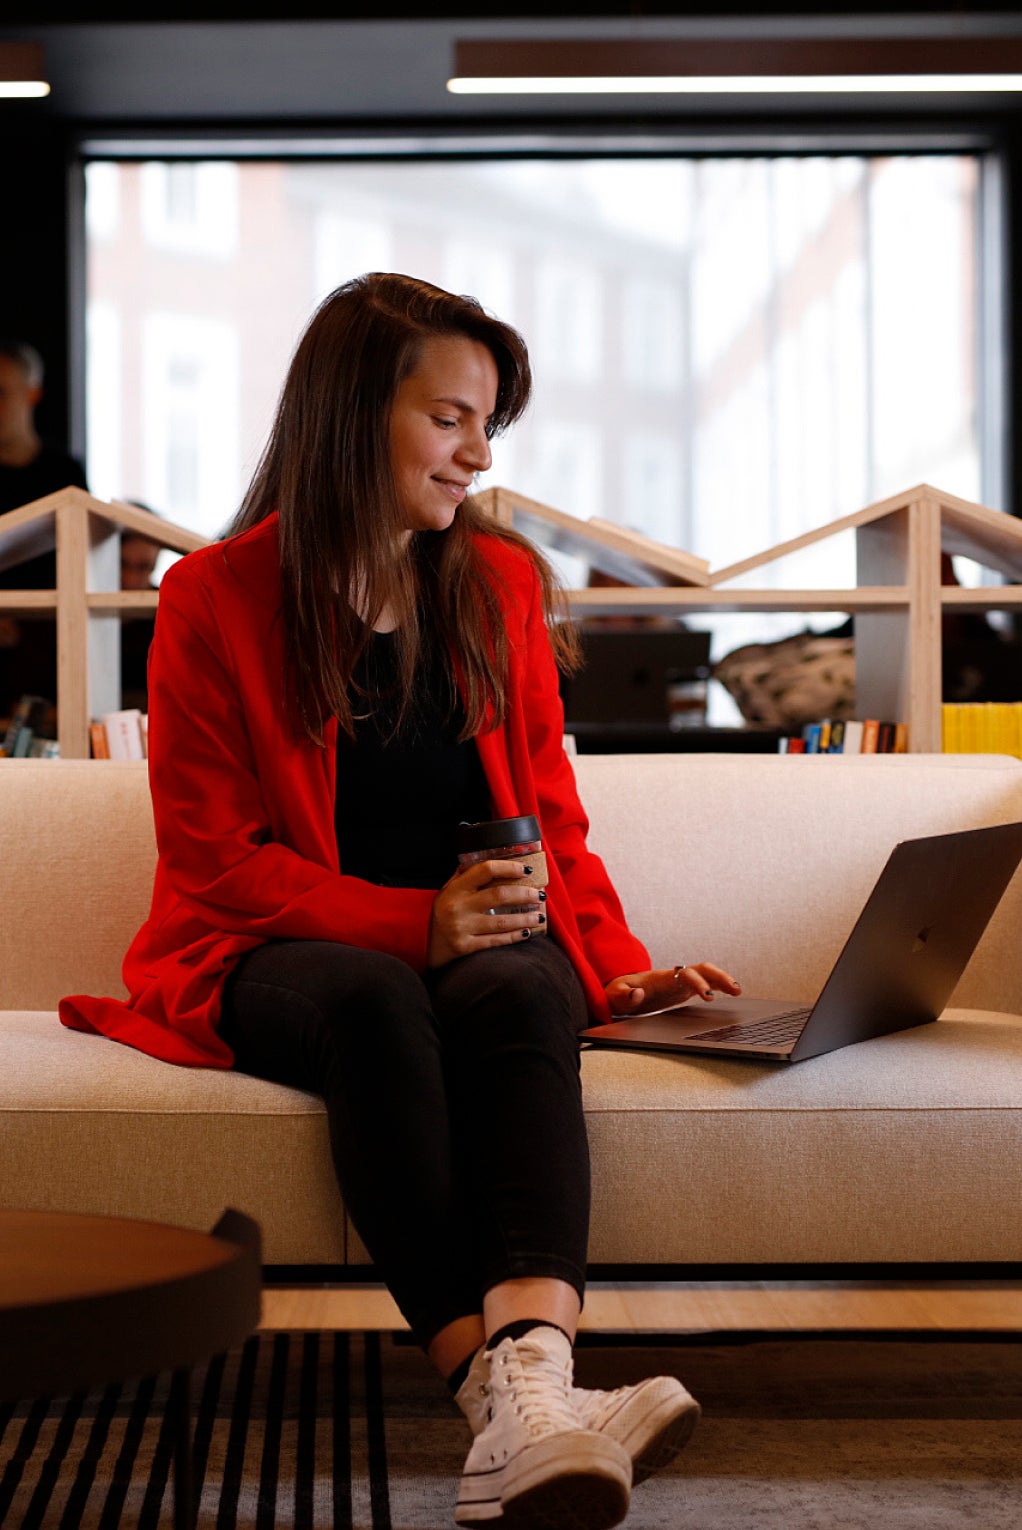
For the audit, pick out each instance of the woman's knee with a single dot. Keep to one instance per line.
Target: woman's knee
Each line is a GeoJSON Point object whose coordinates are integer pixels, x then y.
{"type": "Point", "coordinates": [332, 985]}
{"type": "Point", "coordinates": [525, 987]}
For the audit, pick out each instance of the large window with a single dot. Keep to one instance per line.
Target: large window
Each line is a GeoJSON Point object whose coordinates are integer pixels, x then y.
{"type": "Point", "coordinates": [728, 351]}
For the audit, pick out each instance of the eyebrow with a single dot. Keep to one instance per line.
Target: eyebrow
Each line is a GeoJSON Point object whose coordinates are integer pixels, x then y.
{"type": "Point", "coordinates": [458, 403]}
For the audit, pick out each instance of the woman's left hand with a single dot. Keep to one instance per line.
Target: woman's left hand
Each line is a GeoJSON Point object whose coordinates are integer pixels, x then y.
{"type": "Point", "coordinates": [643, 993]}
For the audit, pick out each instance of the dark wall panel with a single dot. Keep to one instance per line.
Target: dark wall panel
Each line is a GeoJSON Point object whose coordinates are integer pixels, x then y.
{"type": "Point", "coordinates": [34, 283]}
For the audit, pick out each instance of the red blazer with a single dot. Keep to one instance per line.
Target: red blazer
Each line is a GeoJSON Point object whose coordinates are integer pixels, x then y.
{"type": "Point", "coordinates": [244, 810]}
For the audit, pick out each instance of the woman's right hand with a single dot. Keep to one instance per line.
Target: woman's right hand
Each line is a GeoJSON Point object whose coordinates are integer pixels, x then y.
{"type": "Point", "coordinates": [469, 910]}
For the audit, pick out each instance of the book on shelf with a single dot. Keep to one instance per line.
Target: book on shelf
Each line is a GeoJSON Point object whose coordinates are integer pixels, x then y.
{"type": "Point", "coordinates": [982, 727]}
{"type": "Point", "coordinates": [31, 715]}
{"type": "Point", "coordinates": [125, 737]}
{"type": "Point", "coordinates": [870, 736]}
{"type": "Point", "coordinates": [852, 739]}
{"type": "Point", "coordinates": [851, 735]}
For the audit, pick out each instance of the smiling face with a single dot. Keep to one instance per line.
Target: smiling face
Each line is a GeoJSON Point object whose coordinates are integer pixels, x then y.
{"type": "Point", "coordinates": [438, 421]}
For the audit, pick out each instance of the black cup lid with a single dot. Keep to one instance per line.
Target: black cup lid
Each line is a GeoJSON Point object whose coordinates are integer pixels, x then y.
{"type": "Point", "coordinates": [497, 833]}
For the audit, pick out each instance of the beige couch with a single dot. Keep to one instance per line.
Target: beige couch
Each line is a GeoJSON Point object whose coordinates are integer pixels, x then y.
{"type": "Point", "coordinates": [908, 1148]}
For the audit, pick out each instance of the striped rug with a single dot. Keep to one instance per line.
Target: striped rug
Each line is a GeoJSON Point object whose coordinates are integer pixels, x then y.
{"type": "Point", "coordinates": [354, 1432]}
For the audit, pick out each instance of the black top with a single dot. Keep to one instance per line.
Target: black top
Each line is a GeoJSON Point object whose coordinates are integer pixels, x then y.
{"type": "Point", "coordinates": [400, 799]}
{"type": "Point", "coordinates": [53, 469]}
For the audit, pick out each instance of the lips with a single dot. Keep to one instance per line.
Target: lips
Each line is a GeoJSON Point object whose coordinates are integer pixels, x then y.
{"type": "Point", "coordinates": [456, 490]}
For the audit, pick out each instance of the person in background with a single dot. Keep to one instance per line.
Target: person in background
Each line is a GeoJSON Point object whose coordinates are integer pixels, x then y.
{"type": "Point", "coordinates": [29, 466]}
{"type": "Point", "coordinates": [138, 564]}
{"type": "Point", "coordinates": [363, 663]}
{"type": "Point", "coordinates": [29, 469]}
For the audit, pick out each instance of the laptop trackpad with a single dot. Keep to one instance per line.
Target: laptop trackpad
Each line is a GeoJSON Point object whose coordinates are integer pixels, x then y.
{"type": "Point", "coordinates": [693, 1019]}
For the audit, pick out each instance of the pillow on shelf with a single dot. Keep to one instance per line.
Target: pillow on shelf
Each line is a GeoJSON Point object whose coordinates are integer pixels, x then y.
{"type": "Point", "coordinates": [794, 681]}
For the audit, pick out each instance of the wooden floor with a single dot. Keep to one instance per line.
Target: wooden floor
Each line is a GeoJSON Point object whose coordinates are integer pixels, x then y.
{"type": "Point", "coordinates": [729, 1307]}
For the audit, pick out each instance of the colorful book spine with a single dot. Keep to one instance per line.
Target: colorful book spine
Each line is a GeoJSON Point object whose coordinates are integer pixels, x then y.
{"type": "Point", "coordinates": [870, 735]}
{"type": "Point", "coordinates": [855, 736]}
{"type": "Point", "coordinates": [852, 743]}
{"type": "Point", "coordinates": [28, 716]}
{"type": "Point", "coordinates": [982, 727]}
{"type": "Point", "coordinates": [124, 734]}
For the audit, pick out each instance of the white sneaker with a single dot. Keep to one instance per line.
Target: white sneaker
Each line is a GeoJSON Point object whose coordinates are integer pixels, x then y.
{"type": "Point", "coordinates": [651, 1420]}
{"type": "Point", "coordinates": [531, 1462]}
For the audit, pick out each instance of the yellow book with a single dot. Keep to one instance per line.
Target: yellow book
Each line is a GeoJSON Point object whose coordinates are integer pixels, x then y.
{"type": "Point", "coordinates": [987, 728]}
{"type": "Point", "coordinates": [969, 735]}
{"type": "Point", "coordinates": [951, 728]}
{"type": "Point", "coordinates": [1002, 727]}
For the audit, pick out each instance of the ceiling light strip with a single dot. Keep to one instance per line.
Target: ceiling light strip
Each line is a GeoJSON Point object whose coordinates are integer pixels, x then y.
{"type": "Point", "coordinates": [22, 70]}
{"type": "Point", "coordinates": [23, 90]}
{"type": "Point", "coordinates": [712, 85]}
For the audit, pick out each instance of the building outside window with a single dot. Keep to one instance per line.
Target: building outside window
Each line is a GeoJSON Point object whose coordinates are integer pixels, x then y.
{"type": "Point", "coordinates": [728, 351]}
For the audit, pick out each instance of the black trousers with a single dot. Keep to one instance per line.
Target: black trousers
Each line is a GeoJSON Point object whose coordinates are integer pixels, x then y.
{"type": "Point", "coordinates": [454, 1106]}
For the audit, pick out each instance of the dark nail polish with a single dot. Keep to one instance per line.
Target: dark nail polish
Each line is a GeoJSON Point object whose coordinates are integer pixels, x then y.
{"type": "Point", "coordinates": [542, 895]}
{"type": "Point", "coordinates": [528, 871]}
{"type": "Point", "coordinates": [542, 919]}
{"type": "Point", "coordinates": [526, 934]}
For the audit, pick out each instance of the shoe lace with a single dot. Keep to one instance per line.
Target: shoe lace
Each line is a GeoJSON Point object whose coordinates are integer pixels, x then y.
{"type": "Point", "coordinates": [539, 1385]}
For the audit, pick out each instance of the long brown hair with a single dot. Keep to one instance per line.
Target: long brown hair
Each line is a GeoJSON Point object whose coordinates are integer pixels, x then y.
{"type": "Point", "coordinates": [327, 470]}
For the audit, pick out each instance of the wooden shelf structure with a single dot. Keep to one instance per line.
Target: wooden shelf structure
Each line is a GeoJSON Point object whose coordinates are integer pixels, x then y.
{"type": "Point", "coordinates": [897, 601]}
{"type": "Point", "coordinates": [87, 603]}
{"type": "Point", "coordinates": [614, 550]}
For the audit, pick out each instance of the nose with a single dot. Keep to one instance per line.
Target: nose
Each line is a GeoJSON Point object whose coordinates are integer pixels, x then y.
{"type": "Point", "coordinates": [475, 450]}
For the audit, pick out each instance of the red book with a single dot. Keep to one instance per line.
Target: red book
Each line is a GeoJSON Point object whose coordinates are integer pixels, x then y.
{"type": "Point", "coordinates": [98, 739]}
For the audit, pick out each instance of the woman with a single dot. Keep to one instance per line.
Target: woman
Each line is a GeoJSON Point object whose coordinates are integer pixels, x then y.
{"type": "Point", "coordinates": [363, 663]}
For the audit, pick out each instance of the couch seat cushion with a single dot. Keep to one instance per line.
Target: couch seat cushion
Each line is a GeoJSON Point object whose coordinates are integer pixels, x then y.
{"type": "Point", "coordinates": [90, 1125]}
{"type": "Point", "coordinates": [906, 1147]}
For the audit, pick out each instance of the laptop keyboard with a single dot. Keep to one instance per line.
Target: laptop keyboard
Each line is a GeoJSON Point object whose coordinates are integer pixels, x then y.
{"type": "Point", "coordinates": [778, 1030]}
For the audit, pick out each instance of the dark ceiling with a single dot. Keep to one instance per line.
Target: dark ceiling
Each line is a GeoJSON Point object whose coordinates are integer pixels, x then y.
{"type": "Point", "coordinates": [309, 10]}
{"type": "Point", "coordinates": [266, 63]}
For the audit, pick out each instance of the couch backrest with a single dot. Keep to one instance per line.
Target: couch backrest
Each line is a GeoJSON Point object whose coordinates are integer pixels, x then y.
{"type": "Point", "coordinates": [760, 862]}
{"type": "Point", "coordinates": [78, 850]}
{"type": "Point", "coordinates": [763, 862]}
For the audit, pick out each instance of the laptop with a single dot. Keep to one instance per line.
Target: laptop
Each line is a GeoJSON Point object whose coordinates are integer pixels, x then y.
{"type": "Point", "coordinates": [898, 968]}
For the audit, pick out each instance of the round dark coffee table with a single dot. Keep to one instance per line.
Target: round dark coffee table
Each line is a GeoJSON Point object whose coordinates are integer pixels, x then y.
{"type": "Point", "coordinates": [88, 1300]}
